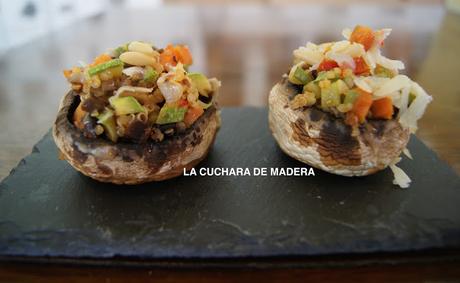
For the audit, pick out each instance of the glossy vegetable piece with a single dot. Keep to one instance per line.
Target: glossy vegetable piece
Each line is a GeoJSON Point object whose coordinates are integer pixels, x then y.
{"type": "Point", "coordinates": [107, 120]}
{"type": "Point", "coordinates": [327, 65]}
{"type": "Point", "coordinates": [201, 83]}
{"type": "Point", "coordinates": [125, 105]}
{"type": "Point", "coordinates": [362, 105]}
{"type": "Point", "coordinates": [193, 113]}
{"type": "Point", "coordinates": [104, 66]}
{"type": "Point", "coordinates": [363, 35]}
{"type": "Point", "coordinates": [171, 114]}
{"type": "Point", "coordinates": [382, 108]}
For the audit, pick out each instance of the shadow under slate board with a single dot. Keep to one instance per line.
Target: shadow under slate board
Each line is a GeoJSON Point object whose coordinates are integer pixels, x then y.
{"type": "Point", "coordinates": [49, 209]}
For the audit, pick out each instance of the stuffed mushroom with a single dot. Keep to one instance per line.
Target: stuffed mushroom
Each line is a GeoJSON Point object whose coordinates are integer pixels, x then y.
{"type": "Point", "coordinates": [344, 108]}
{"type": "Point", "coordinates": [136, 114]}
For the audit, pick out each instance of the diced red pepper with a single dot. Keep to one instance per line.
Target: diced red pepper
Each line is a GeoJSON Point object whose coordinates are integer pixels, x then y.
{"type": "Point", "coordinates": [327, 65]}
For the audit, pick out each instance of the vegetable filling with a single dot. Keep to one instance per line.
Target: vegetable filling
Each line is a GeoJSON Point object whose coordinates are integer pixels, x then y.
{"type": "Point", "coordinates": [137, 93]}
{"type": "Point", "coordinates": [353, 81]}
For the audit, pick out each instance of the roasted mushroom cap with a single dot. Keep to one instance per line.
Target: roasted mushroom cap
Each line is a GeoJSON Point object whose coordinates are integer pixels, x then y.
{"type": "Point", "coordinates": [131, 163]}
{"type": "Point", "coordinates": [323, 141]}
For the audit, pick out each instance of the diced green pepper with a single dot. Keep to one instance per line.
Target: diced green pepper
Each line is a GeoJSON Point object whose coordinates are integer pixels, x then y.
{"type": "Point", "coordinates": [125, 105]}
{"type": "Point", "coordinates": [150, 75]}
{"type": "Point", "coordinates": [171, 114]}
{"type": "Point", "coordinates": [201, 83]}
{"type": "Point", "coordinates": [104, 66]}
{"type": "Point", "coordinates": [350, 96]}
{"type": "Point", "coordinates": [107, 120]}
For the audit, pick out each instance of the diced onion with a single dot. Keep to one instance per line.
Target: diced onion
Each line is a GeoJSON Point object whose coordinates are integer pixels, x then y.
{"type": "Point", "coordinates": [396, 83]}
{"type": "Point", "coordinates": [133, 70]}
{"type": "Point", "coordinates": [407, 153]}
{"type": "Point", "coordinates": [400, 177]}
{"type": "Point", "coordinates": [133, 89]}
{"type": "Point", "coordinates": [403, 102]}
{"type": "Point", "coordinates": [388, 63]}
{"type": "Point", "coordinates": [416, 109]}
{"type": "Point", "coordinates": [343, 60]}
{"type": "Point", "coordinates": [346, 33]}
{"type": "Point", "coordinates": [362, 83]}
{"type": "Point", "coordinates": [308, 55]}
{"type": "Point", "coordinates": [171, 90]}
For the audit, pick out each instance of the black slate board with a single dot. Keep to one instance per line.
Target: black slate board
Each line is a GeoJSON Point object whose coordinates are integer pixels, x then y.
{"type": "Point", "coordinates": [49, 209]}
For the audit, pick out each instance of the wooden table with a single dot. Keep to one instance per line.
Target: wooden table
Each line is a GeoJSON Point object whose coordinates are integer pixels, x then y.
{"type": "Point", "coordinates": [247, 48]}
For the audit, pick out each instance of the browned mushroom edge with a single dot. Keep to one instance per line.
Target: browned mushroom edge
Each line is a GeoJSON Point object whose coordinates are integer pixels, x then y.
{"type": "Point", "coordinates": [148, 157]}
{"type": "Point", "coordinates": [338, 147]}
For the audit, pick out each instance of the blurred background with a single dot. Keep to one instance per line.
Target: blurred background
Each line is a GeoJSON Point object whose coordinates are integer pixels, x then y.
{"type": "Point", "coordinates": [246, 44]}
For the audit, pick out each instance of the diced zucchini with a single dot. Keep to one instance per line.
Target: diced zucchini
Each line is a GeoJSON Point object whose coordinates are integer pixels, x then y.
{"type": "Point", "coordinates": [321, 76]}
{"type": "Point", "coordinates": [299, 76]}
{"type": "Point", "coordinates": [340, 86]}
{"type": "Point", "coordinates": [330, 97]}
{"type": "Point", "coordinates": [104, 66]}
{"type": "Point", "coordinates": [121, 49]}
{"type": "Point", "coordinates": [201, 83]}
{"type": "Point", "coordinates": [349, 81]}
{"type": "Point", "coordinates": [150, 75]}
{"type": "Point", "coordinates": [171, 114]}
{"type": "Point", "coordinates": [350, 97]}
{"type": "Point", "coordinates": [125, 105]}
{"type": "Point", "coordinates": [314, 88]}
{"type": "Point", "coordinates": [107, 120]}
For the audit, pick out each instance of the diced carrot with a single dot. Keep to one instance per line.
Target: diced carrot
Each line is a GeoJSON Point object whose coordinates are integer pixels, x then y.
{"type": "Point", "coordinates": [382, 108]}
{"type": "Point", "coordinates": [67, 73]}
{"type": "Point", "coordinates": [362, 105]}
{"type": "Point", "coordinates": [361, 67]}
{"type": "Point", "coordinates": [183, 55]}
{"type": "Point", "coordinates": [78, 117]}
{"type": "Point", "coordinates": [101, 59]}
{"type": "Point", "coordinates": [193, 113]}
{"type": "Point", "coordinates": [363, 35]}
{"type": "Point", "coordinates": [167, 56]}
{"type": "Point", "coordinates": [327, 65]}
